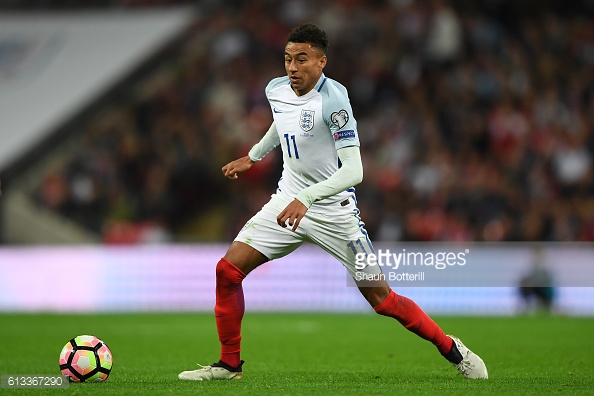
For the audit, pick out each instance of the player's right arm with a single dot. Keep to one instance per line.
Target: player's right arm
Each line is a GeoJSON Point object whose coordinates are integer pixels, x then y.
{"type": "Point", "coordinates": [260, 149]}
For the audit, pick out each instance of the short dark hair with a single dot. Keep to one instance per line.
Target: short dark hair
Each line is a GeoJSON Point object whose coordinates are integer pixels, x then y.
{"type": "Point", "coordinates": [310, 34]}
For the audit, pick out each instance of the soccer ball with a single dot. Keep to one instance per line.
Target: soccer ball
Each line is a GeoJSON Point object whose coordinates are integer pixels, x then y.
{"type": "Point", "coordinates": [86, 359]}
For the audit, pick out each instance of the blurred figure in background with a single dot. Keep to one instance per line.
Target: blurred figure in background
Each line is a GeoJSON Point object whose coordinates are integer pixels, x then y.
{"type": "Point", "coordinates": [537, 286]}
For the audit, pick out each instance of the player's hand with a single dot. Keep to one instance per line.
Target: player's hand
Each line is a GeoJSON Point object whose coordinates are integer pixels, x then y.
{"type": "Point", "coordinates": [238, 166]}
{"type": "Point", "coordinates": [294, 212]}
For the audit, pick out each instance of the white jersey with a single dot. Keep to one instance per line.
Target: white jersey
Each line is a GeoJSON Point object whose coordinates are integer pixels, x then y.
{"type": "Point", "coordinates": [311, 128]}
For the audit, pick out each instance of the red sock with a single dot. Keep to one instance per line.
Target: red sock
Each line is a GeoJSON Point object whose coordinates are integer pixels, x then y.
{"type": "Point", "coordinates": [229, 310]}
{"type": "Point", "coordinates": [411, 316]}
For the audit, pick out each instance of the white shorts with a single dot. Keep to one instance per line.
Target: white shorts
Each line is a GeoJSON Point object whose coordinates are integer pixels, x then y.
{"type": "Point", "coordinates": [338, 230]}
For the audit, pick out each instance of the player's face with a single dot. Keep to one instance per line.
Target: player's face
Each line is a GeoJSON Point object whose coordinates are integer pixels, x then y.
{"type": "Point", "coordinates": [304, 65]}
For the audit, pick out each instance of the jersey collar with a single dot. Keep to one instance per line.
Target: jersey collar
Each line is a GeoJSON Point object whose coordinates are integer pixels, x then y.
{"type": "Point", "coordinates": [320, 83]}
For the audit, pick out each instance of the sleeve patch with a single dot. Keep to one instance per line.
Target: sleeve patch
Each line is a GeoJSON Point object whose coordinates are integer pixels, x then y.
{"type": "Point", "coordinates": [350, 134]}
{"type": "Point", "coordinates": [340, 118]}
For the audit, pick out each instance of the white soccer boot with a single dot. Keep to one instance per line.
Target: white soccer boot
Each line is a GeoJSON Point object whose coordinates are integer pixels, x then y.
{"type": "Point", "coordinates": [216, 371]}
{"type": "Point", "coordinates": [471, 365]}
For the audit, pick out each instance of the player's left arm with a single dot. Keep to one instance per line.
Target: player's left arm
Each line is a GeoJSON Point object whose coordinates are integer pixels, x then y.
{"type": "Point", "coordinates": [348, 175]}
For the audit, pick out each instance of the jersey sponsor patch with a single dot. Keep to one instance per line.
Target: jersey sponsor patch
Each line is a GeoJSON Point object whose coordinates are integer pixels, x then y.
{"type": "Point", "coordinates": [306, 121]}
{"type": "Point", "coordinates": [349, 134]}
{"type": "Point", "coordinates": [340, 118]}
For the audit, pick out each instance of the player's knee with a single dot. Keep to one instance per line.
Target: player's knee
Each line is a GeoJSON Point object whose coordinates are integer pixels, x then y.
{"type": "Point", "coordinates": [375, 296]}
{"type": "Point", "coordinates": [228, 273]}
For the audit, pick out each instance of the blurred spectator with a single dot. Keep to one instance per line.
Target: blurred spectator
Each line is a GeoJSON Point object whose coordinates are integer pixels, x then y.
{"type": "Point", "coordinates": [444, 33]}
{"type": "Point", "coordinates": [536, 286]}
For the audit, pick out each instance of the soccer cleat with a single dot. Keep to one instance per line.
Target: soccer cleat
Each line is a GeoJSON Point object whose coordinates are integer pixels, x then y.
{"type": "Point", "coordinates": [466, 362]}
{"type": "Point", "coordinates": [216, 371]}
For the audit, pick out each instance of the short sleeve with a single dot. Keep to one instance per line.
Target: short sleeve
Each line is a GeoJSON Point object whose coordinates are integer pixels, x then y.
{"type": "Point", "coordinates": [338, 115]}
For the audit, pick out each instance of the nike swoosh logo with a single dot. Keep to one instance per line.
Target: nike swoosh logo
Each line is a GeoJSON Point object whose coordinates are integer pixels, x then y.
{"type": "Point", "coordinates": [275, 110]}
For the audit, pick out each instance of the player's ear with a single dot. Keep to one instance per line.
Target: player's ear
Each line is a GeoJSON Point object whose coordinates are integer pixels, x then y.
{"type": "Point", "coordinates": [322, 61]}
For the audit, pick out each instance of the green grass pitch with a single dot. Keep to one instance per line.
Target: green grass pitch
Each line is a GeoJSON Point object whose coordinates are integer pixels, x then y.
{"type": "Point", "coordinates": [308, 354]}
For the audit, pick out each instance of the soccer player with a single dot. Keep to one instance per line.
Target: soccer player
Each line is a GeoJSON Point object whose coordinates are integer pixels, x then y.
{"type": "Point", "coordinates": [314, 202]}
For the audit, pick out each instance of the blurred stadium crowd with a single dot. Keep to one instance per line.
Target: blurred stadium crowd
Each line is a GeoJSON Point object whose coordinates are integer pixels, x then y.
{"type": "Point", "coordinates": [476, 121]}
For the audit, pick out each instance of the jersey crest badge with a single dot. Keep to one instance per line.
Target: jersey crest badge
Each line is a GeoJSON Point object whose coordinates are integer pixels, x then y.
{"type": "Point", "coordinates": [306, 121]}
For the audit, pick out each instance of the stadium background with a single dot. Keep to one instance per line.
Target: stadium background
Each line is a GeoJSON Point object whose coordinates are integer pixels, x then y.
{"type": "Point", "coordinates": [475, 121]}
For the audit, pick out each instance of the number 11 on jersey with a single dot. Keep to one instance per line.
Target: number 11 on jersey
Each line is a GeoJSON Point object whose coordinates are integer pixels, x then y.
{"type": "Point", "coordinates": [292, 137]}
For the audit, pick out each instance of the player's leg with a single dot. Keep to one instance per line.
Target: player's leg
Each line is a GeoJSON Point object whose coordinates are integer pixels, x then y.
{"type": "Point", "coordinates": [386, 302]}
{"type": "Point", "coordinates": [266, 240]}
{"type": "Point", "coordinates": [237, 263]}
{"type": "Point", "coordinates": [345, 243]}
{"type": "Point", "coordinates": [350, 239]}
{"type": "Point", "coordinates": [260, 239]}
